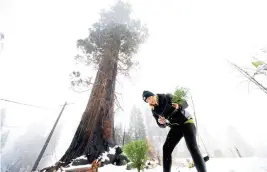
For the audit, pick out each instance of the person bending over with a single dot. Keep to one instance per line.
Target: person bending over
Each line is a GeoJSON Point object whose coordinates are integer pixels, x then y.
{"type": "Point", "coordinates": [181, 125]}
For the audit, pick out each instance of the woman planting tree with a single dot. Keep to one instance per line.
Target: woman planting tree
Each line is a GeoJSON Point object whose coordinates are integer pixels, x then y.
{"type": "Point", "coordinates": [168, 111]}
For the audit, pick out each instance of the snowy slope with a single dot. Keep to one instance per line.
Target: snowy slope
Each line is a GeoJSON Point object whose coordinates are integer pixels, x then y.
{"type": "Point", "coordinates": [218, 164]}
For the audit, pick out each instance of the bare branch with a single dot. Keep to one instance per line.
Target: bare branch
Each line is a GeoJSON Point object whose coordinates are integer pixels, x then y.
{"type": "Point", "coordinates": [118, 93]}
{"type": "Point", "coordinates": [248, 87]}
{"type": "Point", "coordinates": [117, 103]}
{"type": "Point", "coordinates": [108, 76]}
{"type": "Point", "coordinates": [260, 70]}
{"type": "Point", "coordinates": [79, 83]}
{"type": "Point", "coordinates": [245, 73]}
{"type": "Point", "coordinates": [81, 91]}
{"type": "Point", "coordinates": [12, 165]}
{"type": "Point", "coordinates": [242, 82]}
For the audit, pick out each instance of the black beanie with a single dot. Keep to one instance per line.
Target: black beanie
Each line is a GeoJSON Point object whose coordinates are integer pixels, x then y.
{"type": "Point", "coordinates": [147, 94]}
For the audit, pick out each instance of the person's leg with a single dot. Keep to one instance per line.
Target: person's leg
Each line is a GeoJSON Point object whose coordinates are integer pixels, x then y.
{"type": "Point", "coordinates": [174, 136]}
{"type": "Point", "coordinates": [189, 131]}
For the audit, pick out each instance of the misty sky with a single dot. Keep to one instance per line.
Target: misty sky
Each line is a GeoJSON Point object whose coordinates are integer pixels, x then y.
{"type": "Point", "coordinates": [189, 45]}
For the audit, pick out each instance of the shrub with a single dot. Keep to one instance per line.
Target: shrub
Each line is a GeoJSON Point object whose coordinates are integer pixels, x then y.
{"type": "Point", "coordinates": [137, 151]}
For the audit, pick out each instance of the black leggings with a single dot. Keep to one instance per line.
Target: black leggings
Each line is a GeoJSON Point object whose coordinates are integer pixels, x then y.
{"type": "Point", "coordinates": [174, 136]}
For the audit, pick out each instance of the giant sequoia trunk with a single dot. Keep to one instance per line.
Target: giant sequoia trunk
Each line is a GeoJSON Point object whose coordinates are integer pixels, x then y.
{"type": "Point", "coordinates": [95, 131]}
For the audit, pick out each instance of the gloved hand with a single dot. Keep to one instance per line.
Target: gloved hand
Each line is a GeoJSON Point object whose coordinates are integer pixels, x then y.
{"type": "Point", "coordinates": [162, 120]}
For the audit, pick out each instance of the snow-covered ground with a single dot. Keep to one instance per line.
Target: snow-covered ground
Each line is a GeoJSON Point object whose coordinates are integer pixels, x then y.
{"type": "Point", "coordinates": [253, 164]}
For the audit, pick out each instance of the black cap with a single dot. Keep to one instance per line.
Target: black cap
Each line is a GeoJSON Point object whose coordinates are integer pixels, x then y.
{"type": "Point", "coordinates": [147, 94]}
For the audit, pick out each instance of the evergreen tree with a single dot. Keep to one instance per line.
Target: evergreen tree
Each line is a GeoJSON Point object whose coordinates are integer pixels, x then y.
{"type": "Point", "coordinates": [137, 127]}
{"type": "Point", "coordinates": [110, 46]}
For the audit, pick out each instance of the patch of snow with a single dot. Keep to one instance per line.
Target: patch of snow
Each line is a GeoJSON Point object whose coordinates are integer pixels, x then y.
{"type": "Point", "coordinates": [253, 164]}
{"type": "Point", "coordinates": [77, 167]}
{"type": "Point", "coordinates": [104, 156]}
{"type": "Point", "coordinates": [82, 157]}
{"type": "Point", "coordinates": [112, 150]}
{"type": "Point", "coordinates": [114, 168]}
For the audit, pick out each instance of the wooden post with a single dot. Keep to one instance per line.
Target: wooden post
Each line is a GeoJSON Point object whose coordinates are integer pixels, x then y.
{"type": "Point", "coordinates": [238, 152]}
{"type": "Point", "coordinates": [197, 127]}
{"type": "Point", "coordinates": [47, 140]}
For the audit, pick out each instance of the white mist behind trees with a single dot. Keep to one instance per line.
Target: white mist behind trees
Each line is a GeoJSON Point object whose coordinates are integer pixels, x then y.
{"type": "Point", "coordinates": [136, 125]}
{"type": "Point", "coordinates": [133, 130]}
{"type": "Point", "coordinates": [26, 138]}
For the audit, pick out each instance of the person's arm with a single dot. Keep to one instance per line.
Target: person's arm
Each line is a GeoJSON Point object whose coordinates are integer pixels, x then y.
{"type": "Point", "coordinates": [169, 98]}
{"type": "Point", "coordinates": [166, 100]}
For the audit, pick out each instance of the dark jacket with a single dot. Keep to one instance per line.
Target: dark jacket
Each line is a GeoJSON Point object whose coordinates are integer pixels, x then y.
{"type": "Point", "coordinates": [165, 109]}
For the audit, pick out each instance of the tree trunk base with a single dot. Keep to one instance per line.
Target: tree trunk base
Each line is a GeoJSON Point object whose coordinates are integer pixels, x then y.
{"type": "Point", "coordinates": [94, 153]}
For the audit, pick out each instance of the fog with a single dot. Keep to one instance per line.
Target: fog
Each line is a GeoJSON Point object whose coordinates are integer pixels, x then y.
{"type": "Point", "coordinates": [189, 44]}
